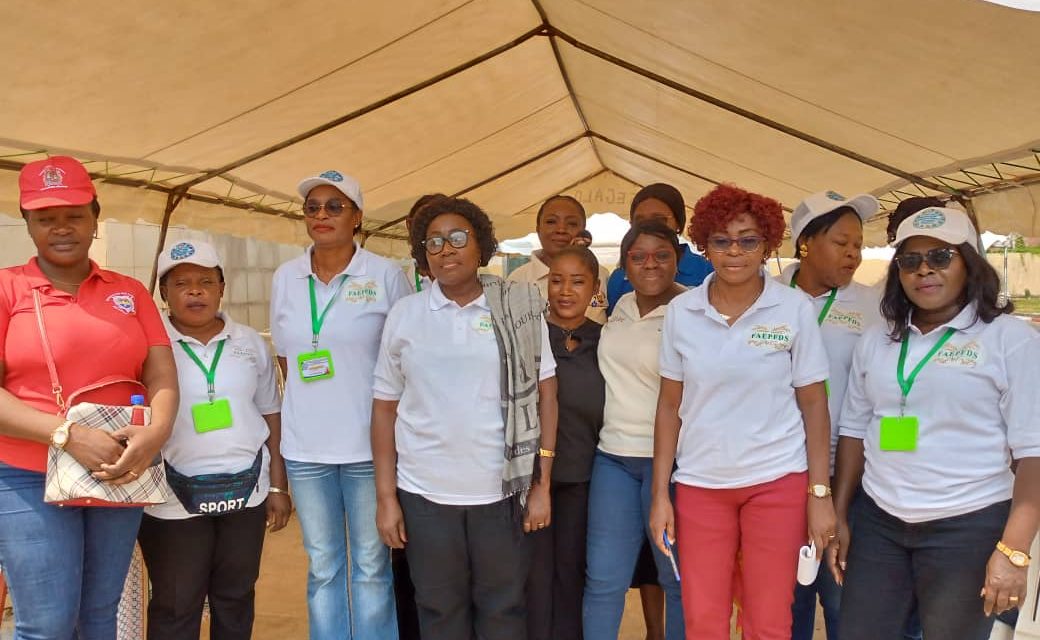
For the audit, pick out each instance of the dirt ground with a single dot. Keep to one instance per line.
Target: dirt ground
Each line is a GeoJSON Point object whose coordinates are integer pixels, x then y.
{"type": "Point", "coordinates": [281, 610]}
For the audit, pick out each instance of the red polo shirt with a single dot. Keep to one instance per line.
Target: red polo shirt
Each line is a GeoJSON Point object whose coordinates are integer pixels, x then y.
{"type": "Point", "coordinates": [105, 330]}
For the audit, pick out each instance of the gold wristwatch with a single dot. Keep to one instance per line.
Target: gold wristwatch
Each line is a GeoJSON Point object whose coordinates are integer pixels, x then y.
{"type": "Point", "coordinates": [547, 453]}
{"type": "Point", "coordinates": [1018, 558]}
{"type": "Point", "coordinates": [819, 490]}
{"type": "Point", "coordinates": [60, 436]}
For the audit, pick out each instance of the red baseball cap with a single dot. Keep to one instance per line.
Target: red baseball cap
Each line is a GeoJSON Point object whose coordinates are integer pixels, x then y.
{"type": "Point", "coordinates": [58, 181]}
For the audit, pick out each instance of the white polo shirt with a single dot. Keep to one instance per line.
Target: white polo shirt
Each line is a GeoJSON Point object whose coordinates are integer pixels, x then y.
{"type": "Point", "coordinates": [629, 347]}
{"type": "Point", "coordinates": [442, 363]}
{"type": "Point", "coordinates": [856, 307]}
{"type": "Point", "coordinates": [246, 377]}
{"type": "Point", "coordinates": [329, 421]}
{"type": "Point", "coordinates": [977, 406]}
{"type": "Point", "coordinates": [741, 424]}
{"type": "Point", "coordinates": [537, 272]}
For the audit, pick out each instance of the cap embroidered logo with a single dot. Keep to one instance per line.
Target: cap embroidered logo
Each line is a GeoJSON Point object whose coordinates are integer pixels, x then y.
{"type": "Point", "coordinates": [182, 250]}
{"type": "Point", "coordinates": [834, 195]}
{"type": "Point", "coordinates": [335, 176]}
{"type": "Point", "coordinates": [930, 219]}
{"type": "Point", "coordinates": [53, 177]}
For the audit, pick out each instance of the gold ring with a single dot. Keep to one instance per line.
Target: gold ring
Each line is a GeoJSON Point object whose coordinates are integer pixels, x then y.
{"type": "Point", "coordinates": [1013, 599]}
{"type": "Point", "coordinates": [133, 473]}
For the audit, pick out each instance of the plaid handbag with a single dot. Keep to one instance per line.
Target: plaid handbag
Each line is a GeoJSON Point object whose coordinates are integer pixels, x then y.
{"type": "Point", "coordinates": [69, 483]}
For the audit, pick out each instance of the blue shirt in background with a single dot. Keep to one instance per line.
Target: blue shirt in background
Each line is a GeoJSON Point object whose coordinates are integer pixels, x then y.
{"type": "Point", "coordinates": [693, 269]}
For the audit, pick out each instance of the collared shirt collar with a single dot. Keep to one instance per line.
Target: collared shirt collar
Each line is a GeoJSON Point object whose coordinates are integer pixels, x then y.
{"type": "Point", "coordinates": [628, 307]}
{"type": "Point", "coordinates": [438, 300]}
{"type": "Point", "coordinates": [37, 279]}
{"type": "Point", "coordinates": [177, 336]}
{"type": "Point", "coordinates": [356, 267]}
{"type": "Point", "coordinates": [966, 321]}
{"type": "Point", "coordinates": [845, 294]}
{"type": "Point", "coordinates": [772, 295]}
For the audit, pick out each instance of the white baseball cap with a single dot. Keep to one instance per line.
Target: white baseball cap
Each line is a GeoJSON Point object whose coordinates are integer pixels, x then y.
{"type": "Point", "coordinates": [345, 184]}
{"type": "Point", "coordinates": [193, 252]}
{"type": "Point", "coordinates": [822, 203]}
{"type": "Point", "coordinates": [949, 225]}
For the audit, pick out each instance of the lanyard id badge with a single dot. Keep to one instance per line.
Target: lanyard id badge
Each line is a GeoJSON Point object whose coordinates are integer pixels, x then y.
{"type": "Point", "coordinates": [900, 433]}
{"type": "Point", "coordinates": [317, 364]}
{"type": "Point", "coordinates": [819, 320]}
{"type": "Point", "coordinates": [215, 414]}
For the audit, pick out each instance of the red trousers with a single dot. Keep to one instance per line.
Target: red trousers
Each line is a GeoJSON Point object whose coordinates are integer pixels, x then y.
{"type": "Point", "coordinates": [766, 525]}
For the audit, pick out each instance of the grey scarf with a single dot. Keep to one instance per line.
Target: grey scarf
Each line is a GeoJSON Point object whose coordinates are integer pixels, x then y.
{"type": "Point", "coordinates": [516, 313]}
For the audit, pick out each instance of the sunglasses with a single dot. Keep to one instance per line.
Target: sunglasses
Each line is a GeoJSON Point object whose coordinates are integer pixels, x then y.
{"type": "Point", "coordinates": [746, 244]}
{"type": "Point", "coordinates": [663, 256]}
{"type": "Point", "coordinates": [332, 207]}
{"type": "Point", "coordinates": [458, 238]}
{"type": "Point", "coordinates": [937, 259]}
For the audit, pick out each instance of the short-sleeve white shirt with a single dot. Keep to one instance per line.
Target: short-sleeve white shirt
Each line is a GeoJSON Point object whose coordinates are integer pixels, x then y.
{"type": "Point", "coordinates": [629, 347]}
{"type": "Point", "coordinates": [441, 363]}
{"type": "Point", "coordinates": [977, 406]}
{"type": "Point", "coordinates": [741, 424]}
{"type": "Point", "coordinates": [245, 375]}
{"type": "Point", "coordinates": [329, 421]}
{"type": "Point", "coordinates": [856, 308]}
{"type": "Point", "coordinates": [536, 272]}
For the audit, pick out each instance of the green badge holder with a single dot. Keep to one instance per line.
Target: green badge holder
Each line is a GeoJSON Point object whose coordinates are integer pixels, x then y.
{"type": "Point", "coordinates": [316, 365]}
{"type": "Point", "coordinates": [211, 416]}
{"type": "Point", "coordinates": [899, 433]}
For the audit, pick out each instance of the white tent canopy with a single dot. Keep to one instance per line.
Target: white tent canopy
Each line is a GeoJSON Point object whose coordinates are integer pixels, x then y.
{"type": "Point", "coordinates": [209, 113]}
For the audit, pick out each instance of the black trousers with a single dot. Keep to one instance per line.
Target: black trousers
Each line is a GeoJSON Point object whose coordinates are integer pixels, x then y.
{"type": "Point", "coordinates": [188, 560]}
{"type": "Point", "coordinates": [469, 565]}
{"type": "Point", "coordinates": [557, 579]}
{"type": "Point", "coordinates": [404, 593]}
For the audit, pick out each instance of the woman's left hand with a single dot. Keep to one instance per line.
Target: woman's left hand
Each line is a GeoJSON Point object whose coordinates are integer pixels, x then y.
{"type": "Point", "coordinates": [142, 446]}
{"type": "Point", "coordinates": [823, 523]}
{"type": "Point", "coordinates": [279, 510]}
{"type": "Point", "coordinates": [1005, 585]}
{"type": "Point", "coordinates": [539, 509]}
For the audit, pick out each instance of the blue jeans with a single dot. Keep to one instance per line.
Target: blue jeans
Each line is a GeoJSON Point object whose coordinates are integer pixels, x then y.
{"type": "Point", "coordinates": [619, 513]}
{"type": "Point", "coordinates": [65, 567]}
{"type": "Point", "coordinates": [940, 564]}
{"type": "Point", "coordinates": [336, 504]}
{"type": "Point", "coordinates": [803, 611]}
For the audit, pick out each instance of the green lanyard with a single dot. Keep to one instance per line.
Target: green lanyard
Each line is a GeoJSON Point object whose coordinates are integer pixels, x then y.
{"type": "Point", "coordinates": [316, 320]}
{"type": "Point", "coordinates": [826, 306]}
{"type": "Point", "coordinates": [905, 384]}
{"type": "Point", "coordinates": [211, 371]}
{"type": "Point", "coordinates": [418, 281]}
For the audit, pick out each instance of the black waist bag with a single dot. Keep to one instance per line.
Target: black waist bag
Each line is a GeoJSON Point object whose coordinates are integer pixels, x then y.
{"type": "Point", "coordinates": [215, 494]}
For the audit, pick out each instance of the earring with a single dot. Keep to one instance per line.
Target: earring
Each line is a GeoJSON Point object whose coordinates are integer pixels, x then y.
{"type": "Point", "coordinates": [803, 250]}
{"type": "Point", "coordinates": [96, 236]}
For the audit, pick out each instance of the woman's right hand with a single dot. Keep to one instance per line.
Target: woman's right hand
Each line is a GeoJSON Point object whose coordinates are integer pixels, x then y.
{"type": "Point", "coordinates": [92, 447]}
{"type": "Point", "coordinates": [390, 523]}
{"type": "Point", "coordinates": [838, 551]}
{"type": "Point", "coordinates": [662, 521]}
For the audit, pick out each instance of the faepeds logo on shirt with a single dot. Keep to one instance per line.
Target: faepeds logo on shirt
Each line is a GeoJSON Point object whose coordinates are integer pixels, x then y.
{"type": "Point", "coordinates": [968, 354]}
{"type": "Point", "coordinates": [776, 337]}
{"type": "Point", "coordinates": [848, 319]}
{"type": "Point", "coordinates": [362, 292]}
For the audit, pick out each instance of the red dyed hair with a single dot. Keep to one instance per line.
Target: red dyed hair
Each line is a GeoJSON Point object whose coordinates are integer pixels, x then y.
{"type": "Point", "coordinates": [725, 203]}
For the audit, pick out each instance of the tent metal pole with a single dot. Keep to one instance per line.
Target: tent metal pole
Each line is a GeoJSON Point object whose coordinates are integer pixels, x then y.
{"type": "Point", "coordinates": [173, 199]}
{"type": "Point", "coordinates": [500, 174]}
{"type": "Point", "coordinates": [747, 114]}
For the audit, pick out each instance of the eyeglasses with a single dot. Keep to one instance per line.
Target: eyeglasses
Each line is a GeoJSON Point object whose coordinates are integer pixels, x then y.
{"type": "Point", "coordinates": [662, 256]}
{"type": "Point", "coordinates": [937, 259]}
{"type": "Point", "coordinates": [332, 207]}
{"type": "Point", "coordinates": [746, 244]}
{"type": "Point", "coordinates": [457, 238]}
